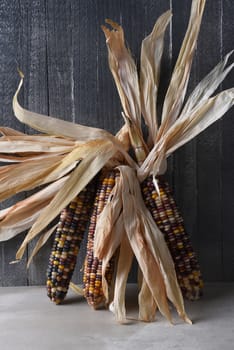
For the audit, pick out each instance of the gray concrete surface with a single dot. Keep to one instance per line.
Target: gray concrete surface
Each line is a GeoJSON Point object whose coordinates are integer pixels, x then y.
{"type": "Point", "coordinates": [29, 321]}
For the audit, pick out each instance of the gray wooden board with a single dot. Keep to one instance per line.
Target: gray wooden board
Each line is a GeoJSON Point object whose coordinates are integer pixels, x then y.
{"type": "Point", "coordinates": [11, 274]}
{"type": "Point", "coordinates": [61, 49]}
{"type": "Point", "coordinates": [184, 160]}
{"type": "Point", "coordinates": [209, 155]}
{"type": "Point", "coordinates": [227, 146]}
{"type": "Point", "coordinates": [33, 22]}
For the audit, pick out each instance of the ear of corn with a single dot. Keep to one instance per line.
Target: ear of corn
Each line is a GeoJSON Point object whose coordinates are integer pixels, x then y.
{"type": "Point", "coordinates": [69, 234]}
{"type": "Point", "coordinates": [92, 277]}
{"type": "Point", "coordinates": [167, 217]}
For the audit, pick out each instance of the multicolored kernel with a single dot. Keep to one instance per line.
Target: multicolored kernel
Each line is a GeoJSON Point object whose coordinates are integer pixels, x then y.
{"type": "Point", "coordinates": [167, 217]}
{"type": "Point", "coordinates": [68, 237]}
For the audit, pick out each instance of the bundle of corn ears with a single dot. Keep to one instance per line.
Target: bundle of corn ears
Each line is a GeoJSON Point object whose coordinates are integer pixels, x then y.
{"type": "Point", "coordinates": [89, 178]}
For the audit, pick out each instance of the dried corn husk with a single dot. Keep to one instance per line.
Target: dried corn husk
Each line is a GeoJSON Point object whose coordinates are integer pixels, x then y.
{"type": "Point", "coordinates": [125, 75]}
{"type": "Point", "coordinates": [96, 156]}
{"type": "Point", "coordinates": [151, 55]}
{"type": "Point", "coordinates": [124, 72]}
{"type": "Point", "coordinates": [28, 143]}
{"type": "Point", "coordinates": [23, 214]}
{"type": "Point", "coordinates": [70, 155]}
{"type": "Point", "coordinates": [208, 85]}
{"type": "Point", "coordinates": [54, 126]}
{"type": "Point", "coordinates": [5, 131]}
{"type": "Point", "coordinates": [179, 80]}
{"type": "Point", "coordinates": [147, 304]}
{"type": "Point", "coordinates": [44, 159]}
{"type": "Point", "coordinates": [123, 268]}
{"type": "Point", "coordinates": [41, 241]}
{"type": "Point", "coordinates": [146, 242]}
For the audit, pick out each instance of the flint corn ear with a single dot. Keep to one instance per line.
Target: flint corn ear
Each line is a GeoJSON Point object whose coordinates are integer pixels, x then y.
{"type": "Point", "coordinates": [167, 217]}
{"type": "Point", "coordinates": [92, 278]}
{"type": "Point", "coordinates": [69, 234]}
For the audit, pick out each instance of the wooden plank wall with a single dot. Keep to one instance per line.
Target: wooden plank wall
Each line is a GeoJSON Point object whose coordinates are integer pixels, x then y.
{"type": "Point", "coordinates": [61, 49]}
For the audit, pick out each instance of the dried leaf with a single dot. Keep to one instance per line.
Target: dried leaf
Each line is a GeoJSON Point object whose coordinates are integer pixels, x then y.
{"type": "Point", "coordinates": [10, 231]}
{"type": "Point", "coordinates": [78, 290]}
{"type": "Point", "coordinates": [96, 158]}
{"type": "Point", "coordinates": [150, 248]}
{"type": "Point", "coordinates": [123, 137]}
{"type": "Point", "coordinates": [185, 129]}
{"type": "Point", "coordinates": [41, 241]}
{"type": "Point", "coordinates": [23, 157]}
{"type": "Point", "coordinates": [123, 269]}
{"type": "Point", "coordinates": [33, 173]}
{"type": "Point", "coordinates": [125, 75]}
{"type": "Point", "coordinates": [114, 243]}
{"type": "Point", "coordinates": [60, 128]}
{"type": "Point", "coordinates": [147, 304]}
{"type": "Point", "coordinates": [133, 212]}
{"type": "Point", "coordinates": [25, 176]}
{"type": "Point", "coordinates": [207, 86]}
{"type": "Point", "coordinates": [22, 215]}
{"type": "Point", "coordinates": [54, 126]}
{"type": "Point", "coordinates": [10, 132]}
{"type": "Point", "coordinates": [200, 118]}
{"type": "Point", "coordinates": [18, 146]}
{"type": "Point", "coordinates": [179, 80]}
{"type": "Point", "coordinates": [148, 265]}
{"type": "Point", "coordinates": [124, 71]}
{"type": "Point", "coordinates": [155, 240]}
{"type": "Point", "coordinates": [151, 54]}
{"type": "Point", "coordinates": [105, 234]}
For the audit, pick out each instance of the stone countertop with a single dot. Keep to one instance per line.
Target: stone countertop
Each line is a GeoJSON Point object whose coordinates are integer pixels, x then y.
{"type": "Point", "coordinates": [29, 321]}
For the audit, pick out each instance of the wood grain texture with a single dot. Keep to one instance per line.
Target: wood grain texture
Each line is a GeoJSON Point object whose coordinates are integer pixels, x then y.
{"type": "Point", "coordinates": [33, 21]}
{"type": "Point", "coordinates": [15, 274]}
{"type": "Point", "coordinates": [184, 160]}
{"type": "Point", "coordinates": [61, 49]}
{"type": "Point", "coordinates": [227, 145]}
{"type": "Point", "coordinates": [209, 154]}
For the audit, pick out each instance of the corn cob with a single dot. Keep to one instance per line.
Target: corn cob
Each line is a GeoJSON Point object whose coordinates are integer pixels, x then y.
{"type": "Point", "coordinates": [69, 234]}
{"type": "Point", "coordinates": [92, 278]}
{"type": "Point", "coordinates": [167, 217]}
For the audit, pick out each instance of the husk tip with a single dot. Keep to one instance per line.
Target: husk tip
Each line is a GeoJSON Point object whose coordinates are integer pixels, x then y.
{"type": "Point", "coordinates": [187, 320]}
{"type": "Point", "coordinates": [113, 24]}
{"type": "Point", "coordinates": [14, 261]}
{"type": "Point", "coordinates": [21, 74]}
